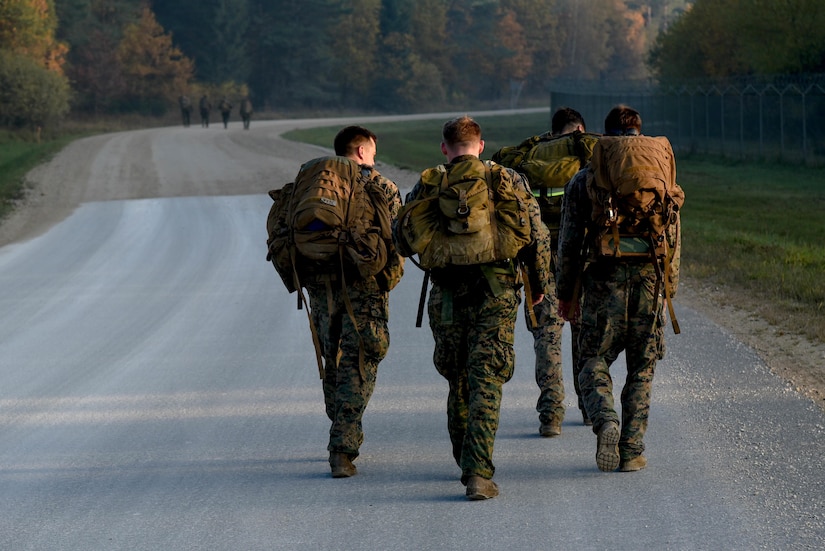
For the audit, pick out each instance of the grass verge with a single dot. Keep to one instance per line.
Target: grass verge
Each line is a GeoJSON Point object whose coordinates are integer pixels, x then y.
{"type": "Point", "coordinates": [17, 157]}
{"type": "Point", "coordinates": [756, 229]}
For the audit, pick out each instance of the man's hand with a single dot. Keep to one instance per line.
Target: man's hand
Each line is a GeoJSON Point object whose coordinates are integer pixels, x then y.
{"type": "Point", "coordinates": [565, 313]}
{"type": "Point", "coordinates": [537, 299]}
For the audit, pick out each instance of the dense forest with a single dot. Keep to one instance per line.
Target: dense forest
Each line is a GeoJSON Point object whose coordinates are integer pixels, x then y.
{"type": "Point", "coordinates": [121, 56]}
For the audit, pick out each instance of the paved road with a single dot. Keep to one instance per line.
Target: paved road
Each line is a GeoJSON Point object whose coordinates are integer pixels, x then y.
{"type": "Point", "coordinates": [159, 392]}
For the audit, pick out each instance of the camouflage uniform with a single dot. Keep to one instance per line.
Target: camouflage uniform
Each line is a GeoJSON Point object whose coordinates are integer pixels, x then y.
{"type": "Point", "coordinates": [185, 109]}
{"type": "Point", "coordinates": [547, 345]}
{"type": "Point", "coordinates": [226, 109]}
{"type": "Point", "coordinates": [205, 106]}
{"type": "Point", "coordinates": [246, 113]}
{"type": "Point", "coordinates": [472, 312]}
{"type": "Point", "coordinates": [620, 312]}
{"type": "Point", "coordinates": [348, 385]}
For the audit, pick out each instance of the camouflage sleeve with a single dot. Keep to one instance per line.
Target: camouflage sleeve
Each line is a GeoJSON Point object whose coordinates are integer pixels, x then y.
{"type": "Point", "coordinates": [575, 218]}
{"type": "Point", "coordinates": [392, 193]}
{"type": "Point", "coordinates": [394, 269]}
{"type": "Point", "coordinates": [536, 257]}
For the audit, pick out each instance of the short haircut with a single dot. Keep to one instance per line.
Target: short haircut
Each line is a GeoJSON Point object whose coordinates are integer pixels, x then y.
{"type": "Point", "coordinates": [350, 138]}
{"type": "Point", "coordinates": [622, 121]}
{"type": "Point", "coordinates": [461, 130]}
{"type": "Point", "coordinates": [563, 117]}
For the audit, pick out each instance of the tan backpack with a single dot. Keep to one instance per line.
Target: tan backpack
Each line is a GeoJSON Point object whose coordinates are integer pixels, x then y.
{"type": "Point", "coordinates": [331, 217]}
{"type": "Point", "coordinates": [634, 192]}
{"type": "Point", "coordinates": [472, 213]}
{"type": "Point", "coordinates": [636, 203]}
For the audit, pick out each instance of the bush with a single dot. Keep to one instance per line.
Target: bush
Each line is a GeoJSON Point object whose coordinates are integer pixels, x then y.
{"type": "Point", "coordinates": [30, 95]}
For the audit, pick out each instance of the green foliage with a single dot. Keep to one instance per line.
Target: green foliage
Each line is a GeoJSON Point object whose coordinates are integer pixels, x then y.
{"type": "Point", "coordinates": [722, 38]}
{"type": "Point", "coordinates": [30, 95]}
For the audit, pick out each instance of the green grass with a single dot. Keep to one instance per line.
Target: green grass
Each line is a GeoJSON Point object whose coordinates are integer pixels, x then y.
{"type": "Point", "coordinates": [17, 157]}
{"type": "Point", "coordinates": [758, 229]}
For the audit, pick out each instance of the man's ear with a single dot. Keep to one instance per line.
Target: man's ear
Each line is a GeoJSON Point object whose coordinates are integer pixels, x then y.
{"type": "Point", "coordinates": [480, 146]}
{"type": "Point", "coordinates": [444, 149]}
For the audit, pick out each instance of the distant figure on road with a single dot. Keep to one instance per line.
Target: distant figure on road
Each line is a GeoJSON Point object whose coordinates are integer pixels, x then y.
{"type": "Point", "coordinates": [246, 112]}
{"type": "Point", "coordinates": [620, 241]}
{"type": "Point", "coordinates": [205, 107]}
{"type": "Point", "coordinates": [226, 109]}
{"type": "Point", "coordinates": [185, 109]}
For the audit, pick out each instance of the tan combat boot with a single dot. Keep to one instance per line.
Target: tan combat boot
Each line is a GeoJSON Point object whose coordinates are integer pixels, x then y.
{"type": "Point", "coordinates": [635, 464]}
{"type": "Point", "coordinates": [341, 465]}
{"type": "Point", "coordinates": [479, 488]}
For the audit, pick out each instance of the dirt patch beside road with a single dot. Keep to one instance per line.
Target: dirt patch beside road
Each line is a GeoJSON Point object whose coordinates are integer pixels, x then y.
{"type": "Point", "coordinates": [141, 165]}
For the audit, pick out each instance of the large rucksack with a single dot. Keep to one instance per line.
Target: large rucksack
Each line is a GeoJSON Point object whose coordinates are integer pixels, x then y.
{"type": "Point", "coordinates": [549, 162]}
{"type": "Point", "coordinates": [332, 219]}
{"type": "Point", "coordinates": [636, 203]}
{"type": "Point", "coordinates": [472, 213]}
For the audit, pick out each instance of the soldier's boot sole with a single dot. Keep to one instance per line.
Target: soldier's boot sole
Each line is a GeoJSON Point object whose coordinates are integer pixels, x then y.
{"type": "Point", "coordinates": [607, 447]}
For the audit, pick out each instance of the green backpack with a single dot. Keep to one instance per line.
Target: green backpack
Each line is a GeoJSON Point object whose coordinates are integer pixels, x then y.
{"type": "Point", "coordinates": [549, 162]}
{"type": "Point", "coordinates": [472, 213]}
{"type": "Point", "coordinates": [332, 216]}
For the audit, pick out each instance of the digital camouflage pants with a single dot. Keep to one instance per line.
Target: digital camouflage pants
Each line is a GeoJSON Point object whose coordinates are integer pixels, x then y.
{"type": "Point", "coordinates": [620, 312]}
{"type": "Point", "coordinates": [348, 386]}
{"type": "Point", "coordinates": [474, 335]}
{"type": "Point", "coordinates": [547, 346]}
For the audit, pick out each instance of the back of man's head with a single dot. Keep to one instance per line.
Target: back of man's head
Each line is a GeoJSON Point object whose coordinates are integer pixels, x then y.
{"type": "Point", "coordinates": [623, 121]}
{"type": "Point", "coordinates": [461, 130]}
{"type": "Point", "coordinates": [565, 120]}
{"type": "Point", "coordinates": [349, 138]}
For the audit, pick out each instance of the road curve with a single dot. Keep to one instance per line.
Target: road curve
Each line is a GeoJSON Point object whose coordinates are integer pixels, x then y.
{"type": "Point", "coordinates": [159, 392]}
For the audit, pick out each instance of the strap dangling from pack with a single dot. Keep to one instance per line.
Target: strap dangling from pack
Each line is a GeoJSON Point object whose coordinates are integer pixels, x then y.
{"type": "Point", "coordinates": [425, 283]}
{"type": "Point", "coordinates": [350, 311]}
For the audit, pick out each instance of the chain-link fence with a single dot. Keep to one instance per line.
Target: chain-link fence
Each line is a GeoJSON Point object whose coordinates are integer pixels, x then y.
{"type": "Point", "coordinates": [777, 119]}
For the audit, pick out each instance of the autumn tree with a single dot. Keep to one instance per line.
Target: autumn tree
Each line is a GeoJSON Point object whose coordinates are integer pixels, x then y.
{"type": "Point", "coordinates": [786, 37]}
{"type": "Point", "coordinates": [98, 74]}
{"type": "Point", "coordinates": [540, 29]}
{"type": "Point", "coordinates": [355, 42]}
{"type": "Point", "coordinates": [33, 89]}
{"type": "Point", "coordinates": [27, 27]}
{"type": "Point", "coordinates": [154, 70]}
{"type": "Point", "coordinates": [724, 38]}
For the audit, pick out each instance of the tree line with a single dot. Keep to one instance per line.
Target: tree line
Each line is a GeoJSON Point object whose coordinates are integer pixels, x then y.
{"type": "Point", "coordinates": [125, 56]}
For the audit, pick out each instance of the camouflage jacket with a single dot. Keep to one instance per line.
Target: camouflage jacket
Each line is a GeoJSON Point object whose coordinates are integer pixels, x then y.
{"type": "Point", "coordinates": [394, 269]}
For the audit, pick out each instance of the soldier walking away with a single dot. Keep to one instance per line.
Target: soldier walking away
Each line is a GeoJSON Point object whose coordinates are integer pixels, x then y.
{"type": "Point", "coordinates": [226, 109]}
{"type": "Point", "coordinates": [473, 305]}
{"type": "Point", "coordinates": [185, 110]}
{"type": "Point", "coordinates": [626, 259]}
{"type": "Point", "coordinates": [205, 107]}
{"type": "Point", "coordinates": [246, 112]}
{"type": "Point", "coordinates": [548, 161]}
{"type": "Point", "coordinates": [348, 304]}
